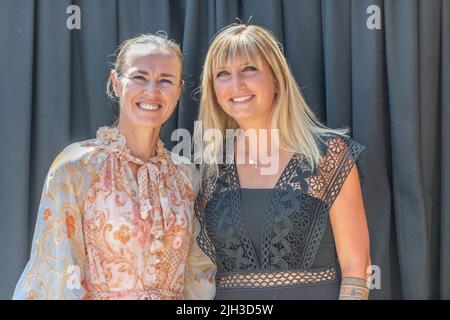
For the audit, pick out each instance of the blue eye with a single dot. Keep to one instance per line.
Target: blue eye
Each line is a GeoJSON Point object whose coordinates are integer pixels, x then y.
{"type": "Point", "coordinates": [166, 81]}
{"type": "Point", "coordinates": [250, 68]}
{"type": "Point", "coordinates": [139, 77]}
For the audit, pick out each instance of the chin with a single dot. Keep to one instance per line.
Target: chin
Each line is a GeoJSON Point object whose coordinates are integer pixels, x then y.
{"type": "Point", "coordinates": [243, 116]}
{"type": "Point", "coordinates": [147, 123]}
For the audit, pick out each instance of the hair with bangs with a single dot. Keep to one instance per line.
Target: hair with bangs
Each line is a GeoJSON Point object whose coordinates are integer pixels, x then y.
{"type": "Point", "coordinates": [231, 50]}
{"type": "Point", "coordinates": [300, 130]}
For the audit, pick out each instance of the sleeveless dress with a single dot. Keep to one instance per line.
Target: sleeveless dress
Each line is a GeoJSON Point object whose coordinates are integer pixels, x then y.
{"type": "Point", "coordinates": [277, 243]}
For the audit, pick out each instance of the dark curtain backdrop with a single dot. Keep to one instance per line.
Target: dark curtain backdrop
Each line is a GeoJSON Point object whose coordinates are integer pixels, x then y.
{"type": "Point", "coordinates": [390, 86]}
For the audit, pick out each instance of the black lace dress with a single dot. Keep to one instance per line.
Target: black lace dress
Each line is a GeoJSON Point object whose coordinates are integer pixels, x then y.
{"type": "Point", "coordinates": [277, 243]}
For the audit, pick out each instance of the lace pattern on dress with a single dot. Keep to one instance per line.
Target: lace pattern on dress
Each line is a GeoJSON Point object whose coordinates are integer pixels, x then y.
{"type": "Point", "coordinates": [295, 219]}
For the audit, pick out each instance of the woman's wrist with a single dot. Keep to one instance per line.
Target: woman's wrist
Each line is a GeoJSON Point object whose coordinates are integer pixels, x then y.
{"type": "Point", "coordinates": [353, 288]}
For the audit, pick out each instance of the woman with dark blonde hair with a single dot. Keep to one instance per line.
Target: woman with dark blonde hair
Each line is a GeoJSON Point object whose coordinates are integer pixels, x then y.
{"type": "Point", "coordinates": [116, 218]}
{"type": "Point", "coordinates": [299, 232]}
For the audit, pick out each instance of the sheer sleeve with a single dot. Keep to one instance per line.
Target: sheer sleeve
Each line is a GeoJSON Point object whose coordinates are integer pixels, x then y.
{"type": "Point", "coordinates": [55, 269]}
{"type": "Point", "coordinates": [200, 272]}
{"type": "Point", "coordinates": [199, 281]}
{"type": "Point", "coordinates": [342, 155]}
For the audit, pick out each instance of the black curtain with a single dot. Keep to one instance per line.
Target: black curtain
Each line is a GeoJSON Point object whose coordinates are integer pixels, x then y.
{"type": "Point", "coordinates": [391, 86]}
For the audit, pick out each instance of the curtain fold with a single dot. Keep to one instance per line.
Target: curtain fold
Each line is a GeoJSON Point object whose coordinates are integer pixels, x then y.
{"type": "Point", "coordinates": [369, 115]}
{"type": "Point", "coordinates": [444, 234]}
{"type": "Point", "coordinates": [17, 23]}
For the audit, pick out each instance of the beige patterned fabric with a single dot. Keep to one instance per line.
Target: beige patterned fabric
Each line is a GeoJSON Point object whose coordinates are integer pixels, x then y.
{"type": "Point", "coordinates": [103, 234]}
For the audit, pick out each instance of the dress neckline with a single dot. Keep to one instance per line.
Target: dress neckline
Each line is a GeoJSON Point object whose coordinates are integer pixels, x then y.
{"type": "Point", "coordinates": [115, 142]}
{"type": "Point", "coordinates": [275, 194]}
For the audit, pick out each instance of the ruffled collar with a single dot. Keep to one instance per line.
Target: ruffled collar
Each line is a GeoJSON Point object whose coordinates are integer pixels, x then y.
{"type": "Point", "coordinates": [112, 140]}
{"type": "Point", "coordinates": [153, 175]}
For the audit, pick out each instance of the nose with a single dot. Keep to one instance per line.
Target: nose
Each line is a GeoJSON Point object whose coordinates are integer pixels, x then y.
{"type": "Point", "coordinates": [151, 88]}
{"type": "Point", "coordinates": [237, 83]}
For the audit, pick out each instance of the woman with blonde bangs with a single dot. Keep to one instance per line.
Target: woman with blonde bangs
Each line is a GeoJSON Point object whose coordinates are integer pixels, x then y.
{"type": "Point", "coordinates": [299, 232]}
{"type": "Point", "coordinates": [116, 218]}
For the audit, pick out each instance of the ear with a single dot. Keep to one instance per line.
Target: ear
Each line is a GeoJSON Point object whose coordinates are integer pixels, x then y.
{"type": "Point", "coordinates": [117, 86]}
{"type": "Point", "coordinates": [181, 89]}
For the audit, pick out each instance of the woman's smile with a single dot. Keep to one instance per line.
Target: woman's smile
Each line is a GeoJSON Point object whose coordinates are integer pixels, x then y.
{"type": "Point", "coordinates": [242, 99]}
{"type": "Point", "coordinates": [149, 106]}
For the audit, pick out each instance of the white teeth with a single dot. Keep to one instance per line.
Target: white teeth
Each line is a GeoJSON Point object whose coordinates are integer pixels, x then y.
{"type": "Point", "coordinates": [150, 107]}
{"type": "Point", "coordinates": [242, 99]}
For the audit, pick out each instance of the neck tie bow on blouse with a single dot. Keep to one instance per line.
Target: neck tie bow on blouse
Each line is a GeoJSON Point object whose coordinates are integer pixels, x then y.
{"type": "Point", "coordinates": [154, 177]}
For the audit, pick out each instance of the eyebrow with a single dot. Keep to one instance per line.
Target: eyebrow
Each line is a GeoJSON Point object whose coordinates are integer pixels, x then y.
{"type": "Point", "coordinates": [165, 75]}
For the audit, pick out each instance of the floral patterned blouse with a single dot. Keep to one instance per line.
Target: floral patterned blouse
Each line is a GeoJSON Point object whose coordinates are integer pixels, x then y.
{"type": "Point", "coordinates": [103, 234]}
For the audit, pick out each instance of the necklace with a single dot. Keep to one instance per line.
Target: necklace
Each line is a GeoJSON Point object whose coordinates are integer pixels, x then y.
{"type": "Point", "coordinates": [256, 163]}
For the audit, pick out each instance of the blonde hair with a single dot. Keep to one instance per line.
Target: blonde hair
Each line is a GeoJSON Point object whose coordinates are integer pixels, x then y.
{"type": "Point", "coordinates": [159, 40]}
{"type": "Point", "coordinates": [300, 130]}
